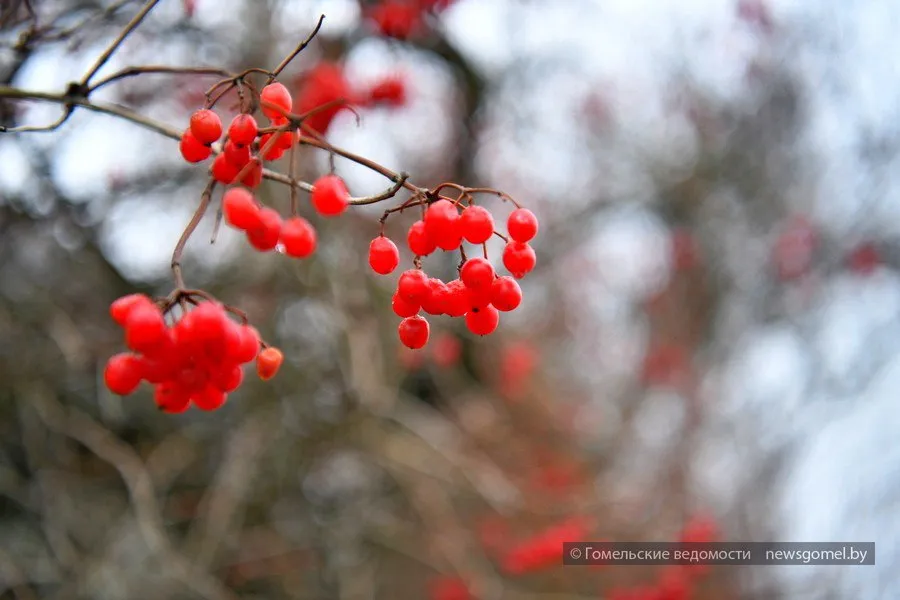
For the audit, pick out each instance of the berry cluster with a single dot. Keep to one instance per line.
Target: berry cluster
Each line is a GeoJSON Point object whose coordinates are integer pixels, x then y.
{"type": "Point", "coordinates": [544, 549]}
{"type": "Point", "coordinates": [479, 294]}
{"type": "Point", "coordinates": [402, 19]}
{"type": "Point", "coordinates": [245, 147]}
{"type": "Point", "coordinates": [265, 228]}
{"type": "Point", "coordinates": [198, 360]}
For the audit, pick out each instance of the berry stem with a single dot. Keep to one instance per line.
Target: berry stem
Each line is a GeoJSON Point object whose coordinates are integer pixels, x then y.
{"type": "Point", "coordinates": [110, 50]}
{"type": "Point", "coordinates": [292, 169]}
{"type": "Point", "coordinates": [205, 199]}
{"type": "Point", "coordinates": [287, 59]}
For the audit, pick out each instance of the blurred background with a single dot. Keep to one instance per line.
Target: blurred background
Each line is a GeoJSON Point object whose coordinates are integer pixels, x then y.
{"type": "Point", "coordinates": [707, 349]}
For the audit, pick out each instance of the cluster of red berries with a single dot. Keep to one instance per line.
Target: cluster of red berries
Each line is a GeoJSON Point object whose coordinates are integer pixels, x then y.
{"type": "Point", "coordinates": [545, 549]}
{"type": "Point", "coordinates": [198, 360]}
{"type": "Point", "coordinates": [245, 148]}
{"type": "Point", "coordinates": [479, 294]}
{"type": "Point", "coordinates": [401, 19]}
{"type": "Point", "coordinates": [265, 228]}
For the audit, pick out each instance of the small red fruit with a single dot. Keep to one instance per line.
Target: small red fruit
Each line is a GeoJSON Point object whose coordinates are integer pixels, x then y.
{"type": "Point", "coordinates": [145, 329]}
{"type": "Point", "coordinates": [275, 93]}
{"type": "Point", "coordinates": [223, 170]}
{"type": "Point", "coordinates": [236, 154]}
{"type": "Point", "coordinates": [253, 177]}
{"type": "Point", "coordinates": [123, 373]}
{"type": "Point", "coordinates": [403, 307]}
{"type": "Point", "coordinates": [243, 130]}
{"type": "Point", "coordinates": [192, 149]}
{"type": "Point", "coordinates": [477, 273]}
{"type": "Point", "coordinates": [298, 237]}
{"type": "Point", "coordinates": [240, 209]}
{"type": "Point", "coordinates": [330, 196]}
{"type": "Point", "coordinates": [476, 224]}
{"type": "Point", "coordinates": [419, 241]}
{"type": "Point", "coordinates": [519, 259]}
{"type": "Point", "coordinates": [265, 236]}
{"type": "Point", "coordinates": [206, 126]}
{"type": "Point", "coordinates": [413, 285]}
{"type": "Point", "coordinates": [268, 362]}
{"type": "Point", "coordinates": [522, 225]}
{"type": "Point", "coordinates": [209, 398]}
{"type": "Point", "coordinates": [506, 295]}
{"type": "Point", "coordinates": [172, 398]}
{"type": "Point", "coordinates": [442, 224]}
{"type": "Point", "coordinates": [383, 255]}
{"type": "Point", "coordinates": [122, 307]}
{"type": "Point", "coordinates": [483, 321]}
{"type": "Point", "coordinates": [413, 332]}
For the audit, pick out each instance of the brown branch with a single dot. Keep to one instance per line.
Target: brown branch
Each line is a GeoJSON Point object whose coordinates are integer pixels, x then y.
{"type": "Point", "coordinates": [369, 164]}
{"type": "Point", "coordinates": [72, 100]}
{"type": "Point", "coordinates": [101, 60]}
{"type": "Point", "coordinates": [134, 71]}
{"type": "Point", "coordinates": [205, 200]}
{"type": "Point", "coordinates": [389, 193]}
{"type": "Point", "coordinates": [287, 59]}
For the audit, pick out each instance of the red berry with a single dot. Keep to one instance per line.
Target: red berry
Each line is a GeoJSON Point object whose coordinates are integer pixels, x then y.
{"type": "Point", "coordinates": [275, 93]}
{"type": "Point", "coordinates": [248, 347]}
{"type": "Point", "coordinates": [418, 240]}
{"type": "Point", "coordinates": [413, 332]}
{"type": "Point", "coordinates": [209, 322]}
{"type": "Point", "coordinates": [522, 225]}
{"type": "Point", "coordinates": [298, 237]}
{"type": "Point", "coordinates": [236, 154]}
{"type": "Point", "coordinates": [240, 209]}
{"type": "Point", "coordinates": [253, 177]}
{"type": "Point", "coordinates": [223, 170]}
{"type": "Point", "coordinates": [243, 130]}
{"type": "Point", "coordinates": [192, 149]}
{"type": "Point", "coordinates": [864, 259]}
{"type": "Point", "coordinates": [383, 255]}
{"type": "Point", "coordinates": [476, 224]}
{"type": "Point", "coordinates": [506, 295]}
{"type": "Point", "coordinates": [122, 307]}
{"type": "Point", "coordinates": [274, 152]}
{"type": "Point", "coordinates": [519, 259]}
{"type": "Point", "coordinates": [265, 236]}
{"type": "Point", "coordinates": [170, 397]}
{"type": "Point", "coordinates": [157, 370]}
{"type": "Point", "coordinates": [206, 126]}
{"type": "Point", "coordinates": [322, 84]}
{"type": "Point", "coordinates": [442, 224]}
{"type": "Point", "coordinates": [209, 398]}
{"type": "Point", "coordinates": [145, 329]}
{"type": "Point", "coordinates": [396, 18]}
{"type": "Point", "coordinates": [268, 362]}
{"type": "Point", "coordinates": [330, 196]}
{"type": "Point", "coordinates": [123, 373]}
{"type": "Point", "coordinates": [435, 300]}
{"type": "Point", "coordinates": [228, 378]}
{"type": "Point", "coordinates": [477, 273]}
{"type": "Point", "coordinates": [286, 140]}
{"type": "Point", "coordinates": [483, 321]}
{"type": "Point", "coordinates": [403, 307]}
{"type": "Point", "coordinates": [413, 285]}
{"type": "Point", "coordinates": [389, 90]}
{"type": "Point", "coordinates": [458, 301]}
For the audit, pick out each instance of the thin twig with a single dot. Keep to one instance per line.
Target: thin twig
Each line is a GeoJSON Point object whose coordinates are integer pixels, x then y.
{"type": "Point", "coordinates": [389, 193]}
{"type": "Point", "coordinates": [134, 71]}
{"type": "Point", "coordinates": [287, 59]}
{"type": "Point", "coordinates": [205, 199]}
{"type": "Point", "coordinates": [101, 60]}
